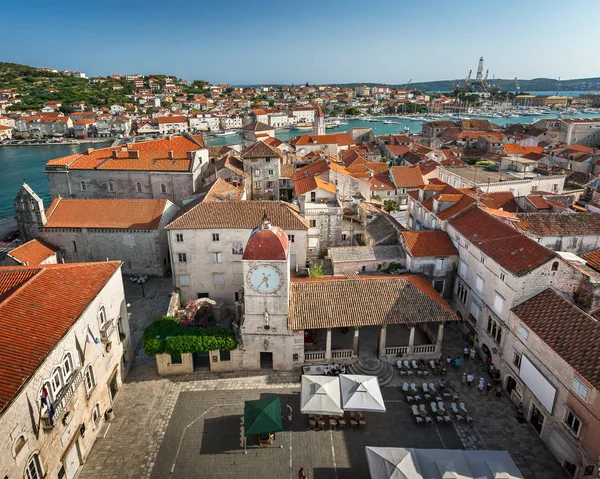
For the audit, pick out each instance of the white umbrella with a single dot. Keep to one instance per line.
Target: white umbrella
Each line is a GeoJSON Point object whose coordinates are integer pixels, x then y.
{"type": "Point", "coordinates": [361, 393]}
{"type": "Point", "coordinates": [320, 395]}
{"type": "Point", "coordinates": [392, 463]}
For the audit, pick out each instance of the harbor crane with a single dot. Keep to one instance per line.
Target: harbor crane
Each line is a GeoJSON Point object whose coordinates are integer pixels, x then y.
{"type": "Point", "coordinates": [406, 86]}
{"type": "Point", "coordinates": [517, 86]}
{"type": "Point", "coordinates": [485, 81]}
{"type": "Point", "coordinates": [479, 77]}
{"type": "Point", "coordinates": [468, 79]}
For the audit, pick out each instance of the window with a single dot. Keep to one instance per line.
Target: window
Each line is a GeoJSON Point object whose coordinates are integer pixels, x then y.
{"type": "Point", "coordinates": [138, 187]}
{"type": "Point", "coordinates": [523, 333]}
{"type": "Point", "coordinates": [163, 188]}
{"type": "Point", "coordinates": [33, 469]}
{"type": "Point", "coordinates": [57, 380]}
{"type": "Point", "coordinates": [270, 172]}
{"type": "Point", "coordinates": [573, 243]}
{"type": "Point", "coordinates": [474, 312]}
{"type": "Point", "coordinates": [439, 264]}
{"type": "Point", "coordinates": [182, 257]}
{"type": "Point", "coordinates": [291, 238]}
{"type": "Point", "coordinates": [67, 366]}
{"type": "Point", "coordinates": [494, 330]}
{"type": "Point", "coordinates": [90, 381]}
{"type": "Point", "coordinates": [461, 292]}
{"type": "Point", "coordinates": [313, 196]}
{"type": "Point", "coordinates": [184, 280]}
{"type": "Point", "coordinates": [224, 355]}
{"type": "Point", "coordinates": [217, 257]}
{"type": "Point", "coordinates": [517, 360]}
{"type": "Point", "coordinates": [482, 259]}
{"type": "Point", "coordinates": [74, 247]}
{"type": "Point", "coordinates": [581, 390]}
{"type": "Point", "coordinates": [257, 185]}
{"type": "Point", "coordinates": [502, 276]}
{"type": "Point", "coordinates": [96, 414]}
{"type": "Point", "coordinates": [313, 242]}
{"type": "Point", "coordinates": [219, 279]}
{"type": "Point", "coordinates": [343, 236]}
{"type": "Point", "coordinates": [179, 237]}
{"type": "Point", "coordinates": [438, 286]}
{"type": "Point", "coordinates": [555, 266]}
{"type": "Point", "coordinates": [312, 223]}
{"type": "Point", "coordinates": [462, 269]}
{"type": "Point", "coordinates": [111, 187]}
{"type": "Point", "coordinates": [83, 186]}
{"type": "Point", "coordinates": [433, 222]}
{"type": "Point", "coordinates": [256, 172]}
{"type": "Point", "coordinates": [479, 283]}
{"type": "Point", "coordinates": [573, 422]}
{"type": "Point", "coordinates": [215, 236]}
{"type": "Point", "coordinates": [498, 303]}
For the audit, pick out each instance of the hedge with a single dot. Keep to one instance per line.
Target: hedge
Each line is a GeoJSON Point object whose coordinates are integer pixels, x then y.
{"type": "Point", "coordinates": [166, 335]}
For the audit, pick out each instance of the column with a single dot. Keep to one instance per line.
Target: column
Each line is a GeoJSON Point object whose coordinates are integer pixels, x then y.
{"type": "Point", "coordinates": [440, 336]}
{"type": "Point", "coordinates": [382, 337]}
{"type": "Point", "coordinates": [355, 344]}
{"type": "Point", "coordinates": [411, 341]}
{"type": "Point", "coordinates": [328, 345]}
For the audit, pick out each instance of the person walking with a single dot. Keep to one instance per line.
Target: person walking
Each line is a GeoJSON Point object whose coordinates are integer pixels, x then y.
{"type": "Point", "coordinates": [481, 384]}
{"type": "Point", "coordinates": [457, 362]}
{"type": "Point", "coordinates": [289, 412]}
{"type": "Point", "coordinates": [498, 390]}
{"type": "Point", "coordinates": [472, 353]}
{"type": "Point", "coordinates": [301, 474]}
{"type": "Point", "coordinates": [470, 378]}
{"type": "Point", "coordinates": [448, 360]}
{"type": "Point", "coordinates": [442, 385]}
{"type": "Point", "coordinates": [466, 352]}
{"type": "Point", "coordinates": [464, 379]}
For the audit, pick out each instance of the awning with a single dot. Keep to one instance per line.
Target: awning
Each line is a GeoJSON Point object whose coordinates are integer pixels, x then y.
{"type": "Point", "coordinates": [262, 416]}
{"type": "Point", "coordinates": [392, 463]}
{"type": "Point", "coordinates": [564, 446]}
{"type": "Point", "coordinates": [320, 395]}
{"type": "Point", "coordinates": [361, 393]}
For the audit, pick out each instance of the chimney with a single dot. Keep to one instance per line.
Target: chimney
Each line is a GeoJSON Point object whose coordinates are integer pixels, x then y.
{"type": "Point", "coordinates": [170, 152]}
{"type": "Point", "coordinates": [115, 153]}
{"type": "Point", "coordinates": [134, 154]}
{"type": "Point", "coordinates": [89, 151]}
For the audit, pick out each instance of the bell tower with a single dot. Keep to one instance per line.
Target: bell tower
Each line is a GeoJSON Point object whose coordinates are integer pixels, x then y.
{"type": "Point", "coordinates": [29, 213]}
{"type": "Point", "coordinates": [319, 123]}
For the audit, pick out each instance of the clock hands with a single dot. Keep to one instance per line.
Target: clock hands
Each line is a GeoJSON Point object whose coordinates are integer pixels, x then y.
{"type": "Point", "coordinates": [265, 280]}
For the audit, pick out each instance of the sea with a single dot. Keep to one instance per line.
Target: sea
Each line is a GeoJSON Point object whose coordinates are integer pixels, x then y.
{"type": "Point", "coordinates": [20, 164]}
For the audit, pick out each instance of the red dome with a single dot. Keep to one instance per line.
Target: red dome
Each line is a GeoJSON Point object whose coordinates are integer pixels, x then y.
{"type": "Point", "coordinates": [267, 243]}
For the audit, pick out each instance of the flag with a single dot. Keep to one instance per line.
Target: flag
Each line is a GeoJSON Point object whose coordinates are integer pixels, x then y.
{"type": "Point", "coordinates": [47, 403]}
{"type": "Point", "coordinates": [90, 338]}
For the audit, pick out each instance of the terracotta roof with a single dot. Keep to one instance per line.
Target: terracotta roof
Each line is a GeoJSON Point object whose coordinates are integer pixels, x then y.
{"type": "Point", "coordinates": [571, 333]}
{"type": "Point", "coordinates": [499, 213]}
{"type": "Point", "coordinates": [105, 213]}
{"type": "Point", "coordinates": [311, 183]}
{"type": "Point", "coordinates": [559, 224]}
{"type": "Point", "coordinates": [257, 126]}
{"type": "Point", "coordinates": [171, 119]}
{"type": "Point", "coordinates": [37, 315]}
{"type": "Point", "coordinates": [335, 302]}
{"type": "Point", "coordinates": [504, 244]}
{"type": "Point", "coordinates": [259, 150]}
{"type": "Point", "coordinates": [313, 169]}
{"type": "Point", "coordinates": [593, 259]}
{"type": "Point", "coordinates": [239, 215]}
{"type": "Point", "coordinates": [267, 243]}
{"type": "Point", "coordinates": [220, 190]}
{"type": "Point", "coordinates": [407, 176]}
{"type": "Point", "coordinates": [425, 243]}
{"type": "Point", "coordinates": [397, 150]}
{"type": "Point", "coordinates": [33, 252]}
{"type": "Point", "coordinates": [341, 139]}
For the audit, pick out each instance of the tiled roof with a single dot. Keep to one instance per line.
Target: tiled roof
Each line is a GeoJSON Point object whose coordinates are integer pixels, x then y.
{"type": "Point", "coordinates": [336, 302]}
{"type": "Point", "coordinates": [239, 215]}
{"type": "Point", "coordinates": [343, 254]}
{"type": "Point", "coordinates": [161, 120]}
{"type": "Point", "coordinates": [260, 150]}
{"type": "Point", "coordinates": [407, 176]}
{"type": "Point", "coordinates": [593, 259]}
{"type": "Point", "coordinates": [381, 183]}
{"type": "Point", "coordinates": [105, 213]}
{"type": "Point", "coordinates": [257, 126]}
{"type": "Point", "coordinates": [220, 190]}
{"type": "Point", "coordinates": [424, 243]}
{"type": "Point", "coordinates": [504, 244]}
{"type": "Point", "coordinates": [311, 183]}
{"type": "Point", "coordinates": [341, 139]}
{"type": "Point", "coordinates": [559, 224]}
{"type": "Point", "coordinates": [33, 252]}
{"type": "Point", "coordinates": [571, 333]}
{"type": "Point", "coordinates": [37, 315]}
{"type": "Point", "coordinates": [315, 168]}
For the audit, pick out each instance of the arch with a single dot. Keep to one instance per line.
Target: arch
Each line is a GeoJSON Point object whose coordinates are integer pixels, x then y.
{"type": "Point", "coordinates": [33, 468]}
{"type": "Point", "coordinates": [18, 445]}
{"type": "Point", "coordinates": [555, 266]}
{"type": "Point", "coordinates": [486, 350]}
{"type": "Point", "coordinates": [138, 187]}
{"type": "Point", "coordinates": [163, 188]}
{"type": "Point", "coordinates": [67, 364]}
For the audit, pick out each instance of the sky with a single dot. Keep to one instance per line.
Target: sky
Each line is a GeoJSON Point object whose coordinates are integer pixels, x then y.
{"type": "Point", "coordinates": [288, 41]}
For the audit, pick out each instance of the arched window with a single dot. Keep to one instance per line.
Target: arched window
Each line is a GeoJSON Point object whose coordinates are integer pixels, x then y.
{"type": "Point", "coordinates": [163, 188]}
{"type": "Point", "coordinates": [57, 380]}
{"type": "Point", "coordinates": [33, 469]}
{"type": "Point", "coordinates": [67, 366]}
{"type": "Point", "coordinates": [32, 204]}
{"type": "Point", "coordinates": [555, 266]}
{"type": "Point", "coordinates": [138, 187]}
{"type": "Point", "coordinates": [19, 445]}
{"type": "Point", "coordinates": [96, 414]}
{"type": "Point", "coordinates": [102, 317]}
{"type": "Point", "coordinates": [111, 187]}
{"type": "Point", "coordinates": [83, 186]}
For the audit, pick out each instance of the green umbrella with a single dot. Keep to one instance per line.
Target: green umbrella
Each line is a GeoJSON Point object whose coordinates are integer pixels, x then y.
{"type": "Point", "coordinates": [262, 416]}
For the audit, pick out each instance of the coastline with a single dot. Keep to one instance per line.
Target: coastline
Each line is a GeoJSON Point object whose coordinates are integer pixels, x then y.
{"type": "Point", "coordinates": [70, 141]}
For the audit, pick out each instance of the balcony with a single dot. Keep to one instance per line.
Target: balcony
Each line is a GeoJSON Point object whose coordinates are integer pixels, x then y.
{"type": "Point", "coordinates": [62, 400]}
{"type": "Point", "coordinates": [106, 331]}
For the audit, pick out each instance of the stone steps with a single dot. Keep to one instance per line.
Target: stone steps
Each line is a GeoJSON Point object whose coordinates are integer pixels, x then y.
{"type": "Point", "coordinates": [373, 367]}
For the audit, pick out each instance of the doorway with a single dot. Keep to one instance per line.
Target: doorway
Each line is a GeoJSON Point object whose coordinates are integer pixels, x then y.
{"type": "Point", "coordinates": [537, 419]}
{"type": "Point", "coordinates": [72, 462]}
{"type": "Point", "coordinates": [201, 361]}
{"type": "Point", "coordinates": [113, 387]}
{"type": "Point", "coordinates": [266, 360]}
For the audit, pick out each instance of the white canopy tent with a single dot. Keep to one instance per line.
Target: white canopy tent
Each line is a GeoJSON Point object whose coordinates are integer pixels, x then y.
{"type": "Point", "coordinates": [320, 395]}
{"type": "Point", "coordinates": [361, 393]}
{"type": "Point", "coordinates": [392, 463]}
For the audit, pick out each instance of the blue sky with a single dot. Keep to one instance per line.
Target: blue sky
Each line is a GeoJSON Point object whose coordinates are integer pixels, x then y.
{"type": "Point", "coordinates": [287, 41]}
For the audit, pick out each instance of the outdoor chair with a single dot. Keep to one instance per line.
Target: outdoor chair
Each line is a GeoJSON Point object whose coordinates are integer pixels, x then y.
{"type": "Point", "coordinates": [399, 363]}
{"type": "Point", "coordinates": [463, 408]}
{"type": "Point", "coordinates": [422, 410]}
{"type": "Point", "coordinates": [432, 365]}
{"type": "Point", "coordinates": [454, 408]}
{"type": "Point", "coordinates": [321, 424]}
{"type": "Point", "coordinates": [447, 395]}
{"type": "Point", "coordinates": [413, 388]}
{"type": "Point", "coordinates": [439, 419]}
{"type": "Point", "coordinates": [402, 372]}
{"type": "Point", "coordinates": [406, 365]}
{"type": "Point", "coordinates": [415, 410]}
{"type": "Point", "coordinates": [438, 398]}
{"type": "Point", "coordinates": [419, 419]}
{"type": "Point", "coordinates": [434, 408]}
{"type": "Point", "coordinates": [342, 422]}
{"type": "Point", "coordinates": [353, 423]}
{"type": "Point", "coordinates": [312, 424]}
{"type": "Point", "coordinates": [415, 365]}
{"type": "Point", "coordinates": [455, 396]}
{"type": "Point", "coordinates": [425, 388]}
{"type": "Point", "coordinates": [441, 407]}
{"type": "Point", "coordinates": [417, 397]}
{"type": "Point", "coordinates": [447, 419]}
{"type": "Point", "coordinates": [425, 373]}
{"type": "Point", "coordinates": [362, 423]}
{"type": "Point", "coordinates": [459, 418]}
{"type": "Point", "coordinates": [428, 420]}
{"type": "Point", "coordinates": [431, 388]}
{"type": "Point", "coordinates": [419, 372]}
{"type": "Point", "coordinates": [470, 420]}
{"type": "Point", "coordinates": [333, 423]}
{"type": "Point", "coordinates": [405, 387]}
{"type": "Point", "coordinates": [409, 372]}
{"type": "Point", "coordinates": [410, 398]}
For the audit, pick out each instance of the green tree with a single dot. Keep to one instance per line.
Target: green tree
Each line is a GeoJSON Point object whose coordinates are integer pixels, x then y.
{"type": "Point", "coordinates": [316, 270]}
{"type": "Point", "coordinates": [376, 197]}
{"type": "Point", "coordinates": [390, 206]}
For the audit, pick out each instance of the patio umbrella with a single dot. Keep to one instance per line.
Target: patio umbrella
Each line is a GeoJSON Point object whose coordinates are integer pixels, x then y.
{"type": "Point", "coordinates": [361, 393]}
{"type": "Point", "coordinates": [262, 416]}
{"type": "Point", "coordinates": [320, 395]}
{"type": "Point", "coordinates": [392, 463]}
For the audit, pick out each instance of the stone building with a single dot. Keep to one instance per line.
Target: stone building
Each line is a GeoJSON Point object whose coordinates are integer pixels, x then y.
{"type": "Point", "coordinates": [552, 362]}
{"type": "Point", "coordinates": [366, 259]}
{"type": "Point", "coordinates": [31, 253]}
{"type": "Point", "coordinates": [256, 131]}
{"type": "Point", "coordinates": [131, 231]}
{"type": "Point", "coordinates": [262, 169]}
{"type": "Point", "coordinates": [585, 131]}
{"type": "Point", "coordinates": [207, 241]}
{"type": "Point", "coordinates": [161, 169]}
{"type": "Point", "coordinates": [330, 144]}
{"type": "Point", "coordinates": [319, 123]}
{"type": "Point", "coordinates": [65, 348]}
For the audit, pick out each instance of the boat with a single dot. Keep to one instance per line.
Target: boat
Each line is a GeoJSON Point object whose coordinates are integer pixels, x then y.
{"type": "Point", "coordinates": [388, 122]}
{"type": "Point", "coordinates": [406, 129]}
{"type": "Point", "coordinates": [225, 133]}
{"type": "Point", "coordinates": [332, 124]}
{"type": "Point", "coordinates": [304, 127]}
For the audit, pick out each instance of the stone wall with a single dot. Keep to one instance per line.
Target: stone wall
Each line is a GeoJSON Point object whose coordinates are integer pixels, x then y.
{"type": "Point", "coordinates": [166, 367]}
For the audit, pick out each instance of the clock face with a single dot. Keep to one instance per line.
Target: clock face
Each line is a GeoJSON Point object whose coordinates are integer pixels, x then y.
{"type": "Point", "coordinates": [264, 279]}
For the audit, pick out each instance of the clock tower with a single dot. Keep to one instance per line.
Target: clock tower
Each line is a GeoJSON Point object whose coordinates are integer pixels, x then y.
{"type": "Point", "coordinates": [267, 342]}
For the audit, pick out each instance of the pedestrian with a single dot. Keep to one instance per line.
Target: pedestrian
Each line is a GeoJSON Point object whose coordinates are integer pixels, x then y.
{"type": "Point", "coordinates": [301, 474]}
{"type": "Point", "coordinates": [457, 362]}
{"type": "Point", "coordinates": [464, 379]}
{"type": "Point", "coordinates": [481, 384]}
{"type": "Point", "coordinates": [498, 390]}
{"type": "Point", "coordinates": [472, 353]}
{"type": "Point", "coordinates": [466, 352]}
{"type": "Point", "coordinates": [470, 378]}
{"type": "Point", "coordinates": [442, 385]}
{"type": "Point", "coordinates": [289, 412]}
{"type": "Point", "coordinates": [489, 388]}
{"type": "Point", "coordinates": [448, 360]}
